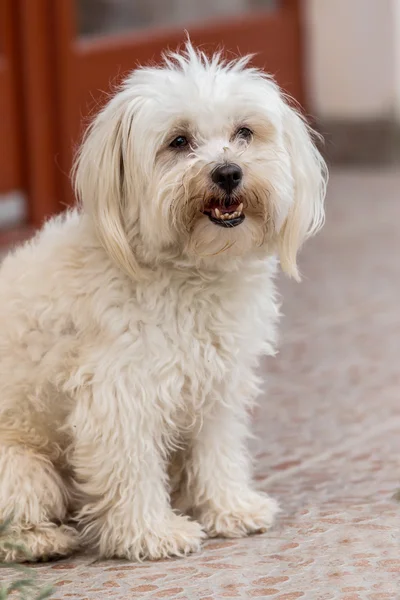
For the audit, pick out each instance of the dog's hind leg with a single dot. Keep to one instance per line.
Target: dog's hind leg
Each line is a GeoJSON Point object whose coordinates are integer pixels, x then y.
{"type": "Point", "coordinates": [33, 503]}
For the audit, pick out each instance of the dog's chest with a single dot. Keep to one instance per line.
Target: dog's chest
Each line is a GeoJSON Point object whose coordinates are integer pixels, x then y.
{"type": "Point", "coordinates": [205, 324]}
{"type": "Point", "coordinates": [195, 335]}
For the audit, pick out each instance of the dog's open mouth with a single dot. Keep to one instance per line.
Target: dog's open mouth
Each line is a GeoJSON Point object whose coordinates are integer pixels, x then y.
{"type": "Point", "coordinates": [225, 216]}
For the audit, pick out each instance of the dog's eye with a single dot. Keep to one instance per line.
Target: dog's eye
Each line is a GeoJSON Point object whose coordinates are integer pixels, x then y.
{"type": "Point", "coordinates": [179, 142]}
{"type": "Point", "coordinates": [244, 133]}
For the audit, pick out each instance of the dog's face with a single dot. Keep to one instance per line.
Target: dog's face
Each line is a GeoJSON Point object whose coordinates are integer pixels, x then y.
{"type": "Point", "coordinates": [202, 161]}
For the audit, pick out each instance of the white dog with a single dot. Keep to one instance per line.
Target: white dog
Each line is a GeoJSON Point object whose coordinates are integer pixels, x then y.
{"type": "Point", "coordinates": [130, 329]}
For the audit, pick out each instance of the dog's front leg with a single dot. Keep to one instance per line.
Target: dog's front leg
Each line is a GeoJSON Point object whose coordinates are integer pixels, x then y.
{"type": "Point", "coordinates": [118, 458]}
{"type": "Point", "coordinates": [219, 489]}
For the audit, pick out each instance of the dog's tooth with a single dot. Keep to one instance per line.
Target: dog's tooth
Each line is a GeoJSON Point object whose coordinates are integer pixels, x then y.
{"type": "Point", "coordinates": [239, 210]}
{"type": "Point", "coordinates": [217, 213]}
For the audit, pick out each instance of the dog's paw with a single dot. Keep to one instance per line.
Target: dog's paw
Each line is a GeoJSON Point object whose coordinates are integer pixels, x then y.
{"type": "Point", "coordinates": [178, 536]}
{"type": "Point", "coordinates": [251, 513]}
{"type": "Point", "coordinates": [38, 543]}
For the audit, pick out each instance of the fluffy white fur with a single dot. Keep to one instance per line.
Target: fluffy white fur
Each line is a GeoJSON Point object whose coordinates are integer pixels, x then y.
{"type": "Point", "coordinates": [130, 329]}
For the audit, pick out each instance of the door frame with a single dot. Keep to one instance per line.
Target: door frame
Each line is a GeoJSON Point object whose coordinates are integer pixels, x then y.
{"type": "Point", "coordinates": [11, 155]}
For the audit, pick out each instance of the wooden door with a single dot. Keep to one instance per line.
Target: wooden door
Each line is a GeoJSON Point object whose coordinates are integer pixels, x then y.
{"type": "Point", "coordinates": [96, 42]}
{"type": "Point", "coordinates": [12, 181]}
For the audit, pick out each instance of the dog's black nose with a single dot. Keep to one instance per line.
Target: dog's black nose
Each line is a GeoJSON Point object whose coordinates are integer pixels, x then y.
{"type": "Point", "coordinates": [227, 176]}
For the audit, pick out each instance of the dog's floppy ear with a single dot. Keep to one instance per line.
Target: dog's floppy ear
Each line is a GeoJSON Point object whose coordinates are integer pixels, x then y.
{"type": "Point", "coordinates": [309, 172]}
{"type": "Point", "coordinates": [100, 179]}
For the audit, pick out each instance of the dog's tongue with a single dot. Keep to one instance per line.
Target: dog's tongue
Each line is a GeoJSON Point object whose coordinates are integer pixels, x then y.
{"type": "Point", "coordinates": [230, 209]}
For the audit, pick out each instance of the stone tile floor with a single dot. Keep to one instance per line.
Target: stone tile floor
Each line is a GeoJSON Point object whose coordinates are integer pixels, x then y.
{"type": "Point", "coordinates": [328, 430]}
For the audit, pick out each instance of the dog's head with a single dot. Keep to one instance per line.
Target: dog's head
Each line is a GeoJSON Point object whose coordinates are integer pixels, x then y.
{"type": "Point", "coordinates": [203, 161]}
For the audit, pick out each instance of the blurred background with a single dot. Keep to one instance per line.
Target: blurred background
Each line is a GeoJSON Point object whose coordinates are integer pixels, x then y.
{"type": "Point", "coordinates": [58, 59]}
